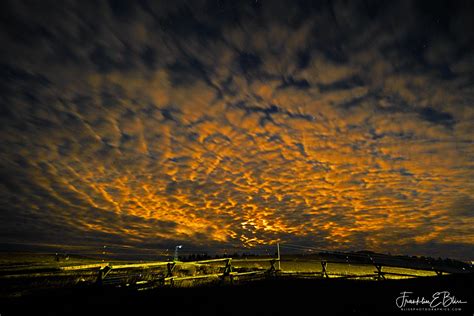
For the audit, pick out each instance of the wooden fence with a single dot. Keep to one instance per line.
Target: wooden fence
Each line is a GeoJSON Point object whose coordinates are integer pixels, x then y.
{"type": "Point", "coordinates": [145, 275]}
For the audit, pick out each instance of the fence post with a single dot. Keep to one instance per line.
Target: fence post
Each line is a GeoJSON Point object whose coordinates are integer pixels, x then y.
{"type": "Point", "coordinates": [227, 270]}
{"type": "Point", "coordinates": [102, 274]}
{"type": "Point", "coordinates": [272, 269]}
{"type": "Point", "coordinates": [228, 267]}
{"type": "Point", "coordinates": [380, 274]}
{"type": "Point", "coordinates": [169, 274]}
{"type": "Point", "coordinates": [170, 267]}
{"type": "Point", "coordinates": [324, 271]}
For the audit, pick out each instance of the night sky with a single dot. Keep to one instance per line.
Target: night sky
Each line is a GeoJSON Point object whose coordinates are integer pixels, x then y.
{"type": "Point", "coordinates": [218, 124]}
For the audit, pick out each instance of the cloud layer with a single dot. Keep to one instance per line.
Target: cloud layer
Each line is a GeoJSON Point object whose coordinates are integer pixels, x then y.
{"type": "Point", "coordinates": [342, 126]}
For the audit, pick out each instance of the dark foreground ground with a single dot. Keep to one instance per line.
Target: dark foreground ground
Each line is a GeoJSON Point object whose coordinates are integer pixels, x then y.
{"type": "Point", "coordinates": [265, 297]}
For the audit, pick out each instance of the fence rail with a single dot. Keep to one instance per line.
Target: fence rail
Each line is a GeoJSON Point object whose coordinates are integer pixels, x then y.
{"type": "Point", "coordinates": [84, 267]}
{"type": "Point", "coordinates": [105, 273]}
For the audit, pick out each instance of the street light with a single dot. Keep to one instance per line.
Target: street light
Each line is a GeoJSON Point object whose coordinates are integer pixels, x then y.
{"type": "Point", "coordinates": [176, 252]}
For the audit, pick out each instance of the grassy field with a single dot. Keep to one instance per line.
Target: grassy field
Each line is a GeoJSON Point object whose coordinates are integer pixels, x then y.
{"type": "Point", "coordinates": [261, 297]}
{"type": "Point", "coordinates": [40, 280]}
{"type": "Point", "coordinates": [335, 269]}
{"type": "Point", "coordinates": [14, 262]}
{"type": "Point", "coordinates": [22, 273]}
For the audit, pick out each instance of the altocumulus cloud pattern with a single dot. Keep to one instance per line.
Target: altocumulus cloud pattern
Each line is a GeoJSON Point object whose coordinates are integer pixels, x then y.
{"type": "Point", "coordinates": [146, 124]}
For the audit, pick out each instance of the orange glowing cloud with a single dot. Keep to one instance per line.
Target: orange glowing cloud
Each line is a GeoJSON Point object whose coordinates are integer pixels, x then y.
{"type": "Point", "coordinates": [256, 136]}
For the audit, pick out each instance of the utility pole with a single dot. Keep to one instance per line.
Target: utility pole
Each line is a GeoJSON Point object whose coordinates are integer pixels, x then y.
{"type": "Point", "coordinates": [278, 253]}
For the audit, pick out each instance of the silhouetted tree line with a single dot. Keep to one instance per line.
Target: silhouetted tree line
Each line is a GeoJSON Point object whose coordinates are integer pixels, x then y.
{"type": "Point", "coordinates": [206, 256]}
{"type": "Point", "coordinates": [195, 257]}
